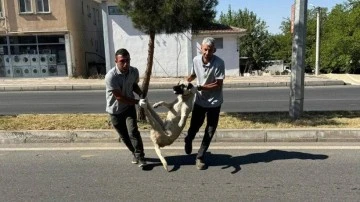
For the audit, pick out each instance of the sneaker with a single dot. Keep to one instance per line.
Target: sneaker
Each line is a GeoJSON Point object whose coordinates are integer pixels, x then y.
{"type": "Point", "coordinates": [142, 162]}
{"type": "Point", "coordinates": [188, 147]}
{"type": "Point", "coordinates": [135, 160]}
{"type": "Point", "coordinates": [200, 164]}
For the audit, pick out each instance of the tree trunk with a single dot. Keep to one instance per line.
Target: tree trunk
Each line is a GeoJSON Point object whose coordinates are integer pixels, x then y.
{"type": "Point", "coordinates": [146, 81]}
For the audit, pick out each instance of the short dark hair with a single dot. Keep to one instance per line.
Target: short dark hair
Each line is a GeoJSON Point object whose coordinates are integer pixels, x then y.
{"type": "Point", "coordinates": [122, 52]}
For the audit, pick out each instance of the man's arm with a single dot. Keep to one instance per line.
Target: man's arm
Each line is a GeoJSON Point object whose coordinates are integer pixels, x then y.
{"type": "Point", "coordinates": [219, 75]}
{"type": "Point", "coordinates": [119, 97]}
{"type": "Point", "coordinates": [137, 89]}
{"type": "Point", "coordinates": [211, 86]}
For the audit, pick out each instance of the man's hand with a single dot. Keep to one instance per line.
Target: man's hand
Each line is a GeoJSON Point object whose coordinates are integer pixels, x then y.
{"type": "Point", "coordinates": [143, 103]}
{"type": "Point", "coordinates": [190, 78]}
{"type": "Point", "coordinates": [194, 89]}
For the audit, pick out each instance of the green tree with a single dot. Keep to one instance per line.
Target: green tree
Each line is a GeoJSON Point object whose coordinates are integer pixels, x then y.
{"type": "Point", "coordinates": [257, 43]}
{"type": "Point", "coordinates": [341, 39]}
{"type": "Point", "coordinates": [282, 43]}
{"type": "Point", "coordinates": [166, 16]}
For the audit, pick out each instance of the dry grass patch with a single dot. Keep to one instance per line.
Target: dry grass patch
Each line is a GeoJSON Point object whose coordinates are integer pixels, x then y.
{"type": "Point", "coordinates": [54, 122]}
{"type": "Point", "coordinates": [283, 120]}
{"type": "Point", "coordinates": [269, 120]}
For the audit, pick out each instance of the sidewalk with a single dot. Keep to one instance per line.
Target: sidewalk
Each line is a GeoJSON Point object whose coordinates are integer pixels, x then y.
{"type": "Point", "coordinates": [353, 79]}
{"type": "Point", "coordinates": [65, 83]}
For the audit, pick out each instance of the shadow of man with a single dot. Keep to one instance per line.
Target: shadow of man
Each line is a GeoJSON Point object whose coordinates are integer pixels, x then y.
{"type": "Point", "coordinates": [227, 161]}
{"type": "Point", "coordinates": [269, 156]}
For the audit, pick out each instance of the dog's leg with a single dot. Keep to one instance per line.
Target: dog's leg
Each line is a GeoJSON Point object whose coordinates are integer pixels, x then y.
{"type": "Point", "coordinates": [165, 104]}
{"type": "Point", "coordinates": [162, 159]}
{"type": "Point", "coordinates": [158, 104]}
{"type": "Point", "coordinates": [169, 106]}
{"type": "Point", "coordinates": [185, 111]}
{"type": "Point", "coordinates": [154, 119]}
{"type": "Point", "coordinates": [182, 121]}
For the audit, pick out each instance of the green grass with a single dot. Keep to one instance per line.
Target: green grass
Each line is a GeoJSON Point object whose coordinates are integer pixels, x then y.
{"type": "Point", "coordinates": [269, 120]}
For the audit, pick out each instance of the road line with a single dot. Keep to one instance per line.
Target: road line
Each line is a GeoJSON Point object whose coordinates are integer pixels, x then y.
{"type": "Point", "coordinates": [181, 148]}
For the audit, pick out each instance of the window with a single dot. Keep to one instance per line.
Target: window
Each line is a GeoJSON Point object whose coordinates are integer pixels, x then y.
{"type": "Point", "coordinates": [54, 39]}
{"type": "Point", "coordinates": [3, 40]}
{"type": "Point", "coordinates": [98, 15]}
{"type": "Point", "coordinates": [25, 6]}
{"type": "Point", "coordinates": [114, 10]}
{"type": "Point", "coordinates": [22, 39]}
{"type": "Point", "coordinates": [219, 43]}
{"type": "Point", "coordinates": [42, 6]}
{"type": "Point", "coordinates": [88, 11]}
{"type": "Point", "coordinates": [94, 19]}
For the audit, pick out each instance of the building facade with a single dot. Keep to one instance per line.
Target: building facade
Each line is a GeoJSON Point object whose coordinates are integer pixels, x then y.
{"type": "Point", "coordinates": [44, 38]}
{"type": "Point", "coordinates": [227, 45]}
{"type": "Point", "coordinates": [173, 53]}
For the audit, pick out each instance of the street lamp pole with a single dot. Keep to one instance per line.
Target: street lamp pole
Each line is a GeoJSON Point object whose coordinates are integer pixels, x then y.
{"type": "Point", "coordinates": [317, 57]}
{"type": "Point", "coordinates": [298, 60]}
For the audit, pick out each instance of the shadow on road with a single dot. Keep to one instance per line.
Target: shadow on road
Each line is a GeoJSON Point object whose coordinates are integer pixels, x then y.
{"type": "Point", "coordinates": [227, 161]}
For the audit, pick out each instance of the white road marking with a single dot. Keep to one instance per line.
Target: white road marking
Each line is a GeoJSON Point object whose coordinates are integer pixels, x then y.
{"type": "Point", "coordinates": [87, 156]}
{"type": "Point", "coordinates": [181, 148]}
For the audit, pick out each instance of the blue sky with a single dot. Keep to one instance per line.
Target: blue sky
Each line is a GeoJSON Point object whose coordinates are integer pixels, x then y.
{"type": "Point", "coordinates": [273, 12]}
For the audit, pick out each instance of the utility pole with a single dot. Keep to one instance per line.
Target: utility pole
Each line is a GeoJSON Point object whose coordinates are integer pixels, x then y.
{"type": "Point", "coordinates": [298, 60]}
{"type": "Point", "coordinates": [317, 59]}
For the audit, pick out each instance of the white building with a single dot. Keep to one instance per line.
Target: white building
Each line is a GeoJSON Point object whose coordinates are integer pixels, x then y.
{"type": "Point", "coordinates": [173, 53]}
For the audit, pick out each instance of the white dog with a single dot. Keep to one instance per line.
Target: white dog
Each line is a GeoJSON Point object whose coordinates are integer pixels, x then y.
{"type": "Point", "coordinates": [165, 132]}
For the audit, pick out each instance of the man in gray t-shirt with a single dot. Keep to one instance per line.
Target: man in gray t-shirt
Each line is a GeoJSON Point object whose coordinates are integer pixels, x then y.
{"type": "Point", "coordinates": [209, 72]}
{"type": "Point", "coordinates": [121, 81]}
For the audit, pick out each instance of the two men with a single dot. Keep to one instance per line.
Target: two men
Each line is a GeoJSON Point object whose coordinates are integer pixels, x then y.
{"type": "Point", "coordinates": [121, 81]}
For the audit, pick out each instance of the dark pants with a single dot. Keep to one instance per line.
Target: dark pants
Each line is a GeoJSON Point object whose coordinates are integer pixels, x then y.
{"type": "Point", "coordinates": [126, 126]}
{"type": "Point", "coordinates": [197, 119]}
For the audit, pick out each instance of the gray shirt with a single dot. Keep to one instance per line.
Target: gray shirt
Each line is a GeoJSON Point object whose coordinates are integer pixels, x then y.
{"type": "Point", "coordinates": [114, 79]}
{"type": "Point", "coordinates": [206, 74]}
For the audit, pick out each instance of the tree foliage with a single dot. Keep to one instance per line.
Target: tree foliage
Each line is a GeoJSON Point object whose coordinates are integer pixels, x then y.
{"type": "Point", "coordinates": [256, 44]}
{"type": "Point", "coordinates": [166, 16]}
{"type": "Point", "coordinates": [339, 39]}
{"type": "Point", "coordinates": [282, 43]}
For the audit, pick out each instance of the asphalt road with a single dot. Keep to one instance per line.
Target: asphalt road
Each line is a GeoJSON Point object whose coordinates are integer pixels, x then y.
{"type": "Point", "coordinates": [329, 98]}
{"type": "Point", "coordinates": [236, 172]}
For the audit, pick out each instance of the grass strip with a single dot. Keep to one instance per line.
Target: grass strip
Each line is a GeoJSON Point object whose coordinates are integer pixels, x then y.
{"type": "Point", "coordinates": [263, 120]}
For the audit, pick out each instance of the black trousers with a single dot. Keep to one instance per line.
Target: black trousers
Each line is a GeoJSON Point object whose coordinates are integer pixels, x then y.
{"type": "Point", "coordinates": [197, 120]}
{"type": "Point", "coordinates": [125, 124]}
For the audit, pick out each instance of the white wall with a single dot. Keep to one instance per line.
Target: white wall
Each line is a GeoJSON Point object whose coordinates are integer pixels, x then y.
{"type": "Point", "coordinates": [170, 55]}
{"type": "Point", "coordinates": [276, 66]}
{"type": "Point", "coordinates": [228, 53]}
{"type": "Point", "coordinates": [173, 53]}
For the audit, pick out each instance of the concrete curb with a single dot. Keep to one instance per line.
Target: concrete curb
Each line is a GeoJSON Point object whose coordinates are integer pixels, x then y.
{"type": "Point", "coordinates": [64, 87]}
{"type": "Point", "coordinates": [252, 135]}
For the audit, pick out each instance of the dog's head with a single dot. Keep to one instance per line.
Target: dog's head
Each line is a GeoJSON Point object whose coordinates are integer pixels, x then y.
{"type": "Point", "coordinates": [182, 89]}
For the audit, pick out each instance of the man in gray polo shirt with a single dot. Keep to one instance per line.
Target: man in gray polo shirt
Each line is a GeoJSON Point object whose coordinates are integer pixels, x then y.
{"type": "Point", "coordinates": [209, 72]}
{"type": "Point", "coordinates": [121, 81]}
